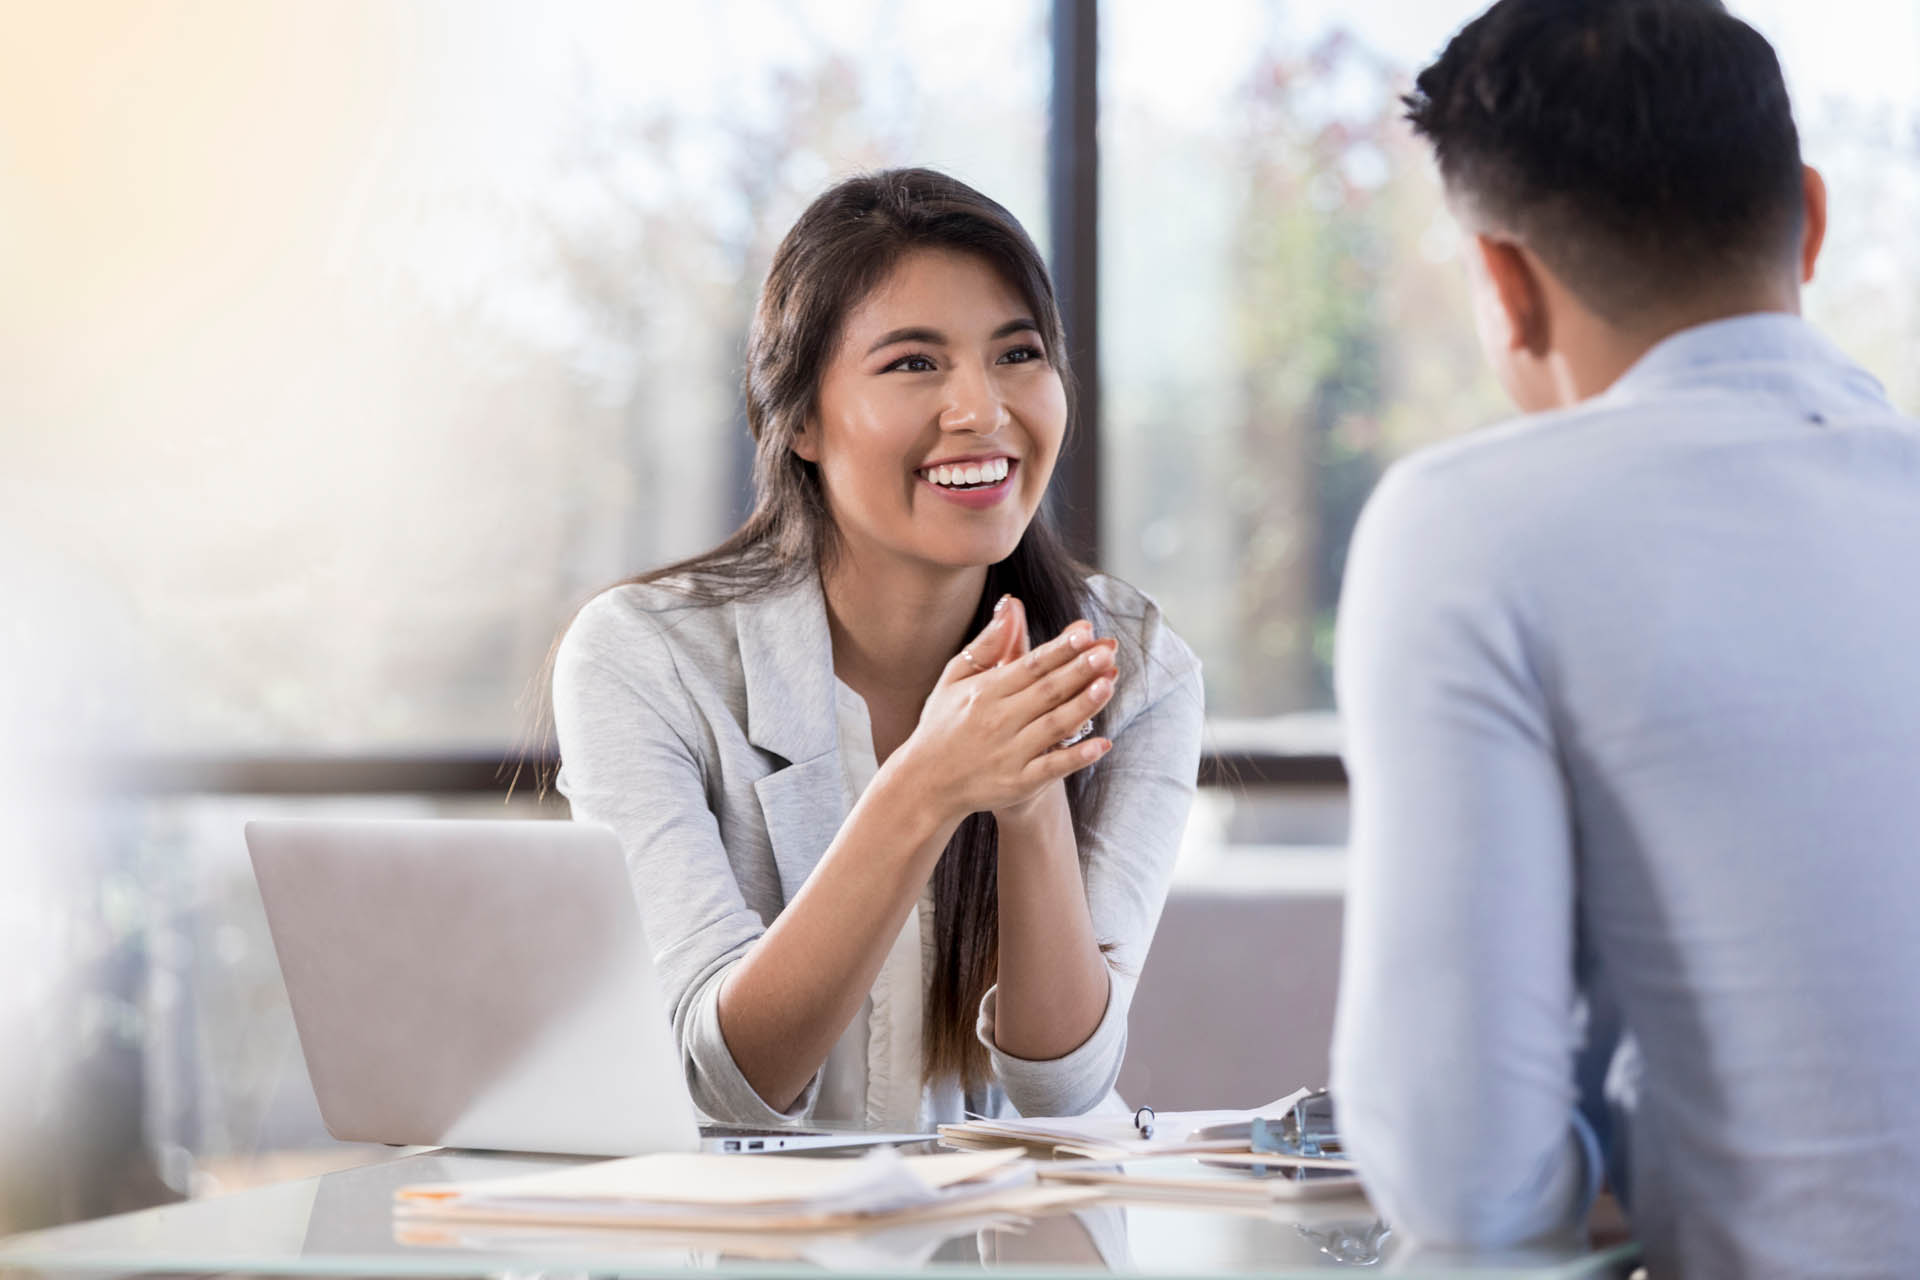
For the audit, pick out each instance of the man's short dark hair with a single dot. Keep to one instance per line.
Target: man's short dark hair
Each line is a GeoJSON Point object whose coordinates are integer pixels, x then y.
{"type": "Point", "coordinates": [1644, 149]}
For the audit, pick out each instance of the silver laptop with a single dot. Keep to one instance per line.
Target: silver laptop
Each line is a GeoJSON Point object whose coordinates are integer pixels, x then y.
{"type": "Point", "coordinates": [482, 984]}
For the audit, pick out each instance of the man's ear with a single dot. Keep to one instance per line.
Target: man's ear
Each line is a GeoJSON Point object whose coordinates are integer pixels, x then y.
{"type": "Point", "coordinates": [1813, 227]}
{"type": "Point", "coordinates": [806, 441]}
{"type": "Point", "coordinates": [1516, 293]}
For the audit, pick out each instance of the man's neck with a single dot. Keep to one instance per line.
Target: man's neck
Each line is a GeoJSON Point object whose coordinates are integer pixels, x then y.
{"type": "Point", "coordinates": [1591, 353]}
{"type": "Point", "coordinates": [896, 623]}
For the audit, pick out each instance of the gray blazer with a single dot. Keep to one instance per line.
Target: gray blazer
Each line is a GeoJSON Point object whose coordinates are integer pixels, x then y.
{"type": "Point", "coordinates": [706, 737]}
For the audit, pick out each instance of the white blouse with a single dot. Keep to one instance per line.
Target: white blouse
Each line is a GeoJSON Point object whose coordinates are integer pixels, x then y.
{"type": "Point", "coordinates": [872, 1077]}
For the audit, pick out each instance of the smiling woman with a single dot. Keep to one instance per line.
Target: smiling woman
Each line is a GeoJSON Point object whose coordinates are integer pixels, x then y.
{"type": "Point", "coordinates": [859, 754]}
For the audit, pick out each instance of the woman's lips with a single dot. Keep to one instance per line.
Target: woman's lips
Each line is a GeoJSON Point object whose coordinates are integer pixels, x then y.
{"type": "Point", "coordinates": [984, 496]}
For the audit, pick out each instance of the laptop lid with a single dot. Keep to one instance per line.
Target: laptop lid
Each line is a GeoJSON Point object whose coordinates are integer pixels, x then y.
{"type": "Point", "coordinates": [473, 984]}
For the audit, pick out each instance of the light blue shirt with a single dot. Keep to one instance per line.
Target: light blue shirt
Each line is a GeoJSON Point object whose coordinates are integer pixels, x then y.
{"type": "Point", "coordinates": [1632, 696]}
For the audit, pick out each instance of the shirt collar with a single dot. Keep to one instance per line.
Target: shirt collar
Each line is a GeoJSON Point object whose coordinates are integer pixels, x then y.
{"type": "Point", "coordinates": [1770, 353]}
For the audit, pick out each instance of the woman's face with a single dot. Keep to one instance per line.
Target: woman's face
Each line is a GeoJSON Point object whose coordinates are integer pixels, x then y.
{"type": "Point", "coordinates": [940, 416]}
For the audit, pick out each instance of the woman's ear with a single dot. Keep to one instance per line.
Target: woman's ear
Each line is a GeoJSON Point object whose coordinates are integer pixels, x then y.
{"type": "Point", "coordinates": [806, 441]}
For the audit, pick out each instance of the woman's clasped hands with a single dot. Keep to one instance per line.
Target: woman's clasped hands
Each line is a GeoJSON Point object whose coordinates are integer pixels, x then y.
{"type": "Point", "coordinates": [1000, 725]}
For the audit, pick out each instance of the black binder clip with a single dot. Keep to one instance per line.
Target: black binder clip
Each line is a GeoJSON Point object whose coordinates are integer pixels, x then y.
{"type": "Point", "coordinates": [1143, 1121]}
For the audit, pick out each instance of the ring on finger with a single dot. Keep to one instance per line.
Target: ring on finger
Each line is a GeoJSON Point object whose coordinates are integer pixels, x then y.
{"type": "Point", "coordinates": [1078, 736]}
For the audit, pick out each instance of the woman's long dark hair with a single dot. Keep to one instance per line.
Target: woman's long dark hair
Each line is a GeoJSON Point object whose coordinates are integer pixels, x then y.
{"type": "Point", "coordinates": [846, 243]}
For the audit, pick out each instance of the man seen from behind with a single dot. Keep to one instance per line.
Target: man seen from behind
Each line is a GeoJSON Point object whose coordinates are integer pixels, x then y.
{"type": "Point", "coordinates": [1632, 691]}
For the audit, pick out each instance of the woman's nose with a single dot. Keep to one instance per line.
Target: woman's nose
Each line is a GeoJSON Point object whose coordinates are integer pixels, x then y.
{"type": "Point", "coordinates": [973, 403]}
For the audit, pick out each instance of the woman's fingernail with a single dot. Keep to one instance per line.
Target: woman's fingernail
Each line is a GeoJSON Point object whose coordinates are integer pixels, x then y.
{"type": "Point", "coordinates": [1000, 605]}
{"type": "Point", "coordinates": [1100, 659]}
{"type": "Point", "coordinates": [1100, 688]}
{"type": "Point", "coordinates": [1080, 635]}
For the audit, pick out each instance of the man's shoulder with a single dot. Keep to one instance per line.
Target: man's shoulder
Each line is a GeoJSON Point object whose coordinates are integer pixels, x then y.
{"type": "Point", "coordinates": [1559, 470]}
{"type": "Point", "coordinates": [1524, 452]}
{"type": "Point", "coordinates": [1516, 500]}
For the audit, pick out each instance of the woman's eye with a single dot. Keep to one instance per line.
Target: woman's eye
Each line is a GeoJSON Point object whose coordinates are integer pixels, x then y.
{"type": "Point", "coordinates": [1021, 355]}
{"type": "Point", "coordinates": [911, 364]}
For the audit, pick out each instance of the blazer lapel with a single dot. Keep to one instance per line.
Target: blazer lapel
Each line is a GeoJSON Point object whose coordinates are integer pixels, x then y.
{"type": "Point", "coordinates": [804, 805]}
{"type": "Point", "coordinates": [786, 657]}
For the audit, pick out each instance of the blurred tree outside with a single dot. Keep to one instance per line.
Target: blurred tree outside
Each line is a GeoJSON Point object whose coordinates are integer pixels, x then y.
{"type": "Point", "coordinates": [1341, 305]}
{"type": "Point", "coordinates": [1350, 311]}
{"type": "Point", "coordinates": [663, 267]}
{"type": "Point", "coordinates": [1285, 313]}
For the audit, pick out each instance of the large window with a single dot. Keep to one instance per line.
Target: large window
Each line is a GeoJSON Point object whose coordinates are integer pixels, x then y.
{"type": "Point", "coordinates": [351, 345]}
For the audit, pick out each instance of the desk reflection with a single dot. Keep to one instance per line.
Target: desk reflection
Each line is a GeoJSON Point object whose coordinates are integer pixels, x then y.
{"type": "Point", "coordinates": [1350, 1244]}
{"type": "Point", "coordinates": [1094, 1237]}
{"type": "Point", "coordinates": [1085, 1240]}
{"type": "Point", "coordinates": [343, 1224]}
{"type": "Point", "coordinates": [1088, 1239]}
{"type": "Point", "coordinates": [354, 1216]}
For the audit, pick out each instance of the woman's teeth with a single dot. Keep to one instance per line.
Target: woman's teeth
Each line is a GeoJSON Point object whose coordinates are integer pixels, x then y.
{"type": "Point", "coordinates": [969, 475]}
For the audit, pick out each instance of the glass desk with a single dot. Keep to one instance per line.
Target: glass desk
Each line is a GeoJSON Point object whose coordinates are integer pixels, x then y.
{"type": "Point", "coordinates": [342, 1224]}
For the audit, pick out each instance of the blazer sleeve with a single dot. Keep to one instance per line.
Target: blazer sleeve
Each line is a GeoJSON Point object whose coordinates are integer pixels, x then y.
{"type": "Point", "coordinates": [1146, 790]}
{"type": "Point", "coordinates": [630, 760]}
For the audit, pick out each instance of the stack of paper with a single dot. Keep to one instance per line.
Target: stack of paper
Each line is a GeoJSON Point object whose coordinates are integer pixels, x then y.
{"type": "Point", "coordinates": [734, 1192]}
{"type": "Point", "coordinates": [1200, 1181]}
{"type": "Point", "coordinates": [1109, 1136]}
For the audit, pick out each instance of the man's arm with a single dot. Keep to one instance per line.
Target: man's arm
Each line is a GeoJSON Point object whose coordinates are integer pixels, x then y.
{"type": "Point", "coordinates": [1455, 1037]}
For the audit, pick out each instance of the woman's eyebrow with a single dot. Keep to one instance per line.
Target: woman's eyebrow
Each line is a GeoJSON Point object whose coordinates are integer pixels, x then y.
{"type": "Point", "coordinates": [933, 337]}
